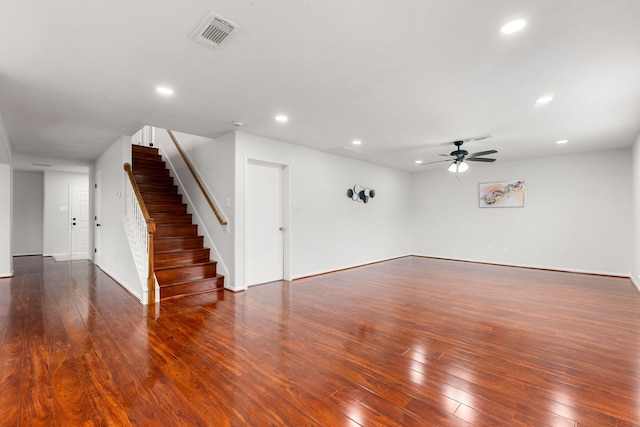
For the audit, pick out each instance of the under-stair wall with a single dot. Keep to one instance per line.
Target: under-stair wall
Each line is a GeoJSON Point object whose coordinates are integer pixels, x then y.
{"type": "Point", "coordinates": [113, 254]}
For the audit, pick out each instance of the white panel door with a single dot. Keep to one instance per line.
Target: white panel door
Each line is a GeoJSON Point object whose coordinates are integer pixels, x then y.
{"type": "Point", "coordinates": [264, 227]}
{"type": "Point", "coordinates": [97, 207]}
{"type": "Point", "coordinates": [79, 222]}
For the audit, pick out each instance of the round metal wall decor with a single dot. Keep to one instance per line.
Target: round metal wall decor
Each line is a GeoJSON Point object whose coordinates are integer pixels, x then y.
{"type": "Point", "coordinates": [358, 193]}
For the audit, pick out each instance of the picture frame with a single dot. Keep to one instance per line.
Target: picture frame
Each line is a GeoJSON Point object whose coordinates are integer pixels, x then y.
{"type": "Point", "coordinates": [501, 194]}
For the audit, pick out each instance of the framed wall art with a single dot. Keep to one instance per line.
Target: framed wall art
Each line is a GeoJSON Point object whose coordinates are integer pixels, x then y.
{"type": "Point", "coordinates": [503, 194]}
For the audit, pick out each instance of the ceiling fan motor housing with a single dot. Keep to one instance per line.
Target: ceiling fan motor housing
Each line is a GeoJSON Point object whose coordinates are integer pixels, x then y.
{"type": "Point", "coordinates": [459, 153]}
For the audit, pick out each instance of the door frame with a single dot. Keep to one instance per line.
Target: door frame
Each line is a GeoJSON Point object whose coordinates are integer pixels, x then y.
{"type": "Point", "coordinates": [73, 256]}
{"type": "Point", "coordinates": [286, 217]}
{"type": "Point", "coordinates": [97, 216]}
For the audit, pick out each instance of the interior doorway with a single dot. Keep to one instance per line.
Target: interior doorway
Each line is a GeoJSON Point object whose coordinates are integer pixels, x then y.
{"type": "Point", "coordinates": [97, 212]}
{"type": "Point", "coordinates": [265, 223]}
{"type": "Point", "coordinates": [79, 216]}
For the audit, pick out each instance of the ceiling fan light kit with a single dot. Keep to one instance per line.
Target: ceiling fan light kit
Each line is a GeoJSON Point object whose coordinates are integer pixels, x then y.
{"type": "Point", "coordinates": [458, 167]}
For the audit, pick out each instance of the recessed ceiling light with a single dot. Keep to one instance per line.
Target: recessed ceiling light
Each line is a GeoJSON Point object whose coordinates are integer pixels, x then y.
{"type": "Point", "coordinates": [281, 118]}
{"type": "Point", "coordinates": [562, 141]}
{"type": "Point", "coordinates": [544, 99]}
{"type": "Point", "coordinates": [163, 90]}
{"type": "Point", "coordinates": [418, 162]}
{"type": "Point", "coordinates": [513, 26]}
{"type": "Point", "coordinates": [356, 142]}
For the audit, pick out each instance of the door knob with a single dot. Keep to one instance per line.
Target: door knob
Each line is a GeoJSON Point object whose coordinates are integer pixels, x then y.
{"type": "Point", "coordinates": [74, 223]}
{"type": "Point", "coordinates": [97, 225]}
{"type": "Point", "coordinates": [281, 228]}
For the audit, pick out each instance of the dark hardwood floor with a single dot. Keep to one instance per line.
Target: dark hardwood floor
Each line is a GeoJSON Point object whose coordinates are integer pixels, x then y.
{"type": "Point", "coordinates": [407, 342]}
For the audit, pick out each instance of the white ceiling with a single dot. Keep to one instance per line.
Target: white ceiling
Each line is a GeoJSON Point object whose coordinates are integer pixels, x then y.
{"type": "Point", "coordinates": [404, 76]}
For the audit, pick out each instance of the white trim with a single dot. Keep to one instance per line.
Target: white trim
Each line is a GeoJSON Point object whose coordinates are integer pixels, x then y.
{"type": "Point", "coordinates": [636, 282]}
{"type": "Point", "coordinates": [533, 266]}
{"type": "Point", "coordinates": [122, 283]}
{"type": "Point", "coordinates": [286, 213]}
{"type": "Point", "coordinates": [349, 266]}
{"type": "Point", "coordinates": [69, 195]}
{"type": "Point", "coordinates": [67, 257]}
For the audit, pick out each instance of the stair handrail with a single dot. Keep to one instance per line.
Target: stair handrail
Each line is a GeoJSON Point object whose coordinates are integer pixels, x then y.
{"type": "Point", "coordinates": [221, 220]}
{"type": "Point", "coordinates": [151, 229]}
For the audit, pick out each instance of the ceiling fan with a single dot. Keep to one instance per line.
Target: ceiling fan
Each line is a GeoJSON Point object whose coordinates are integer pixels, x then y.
{"type": "Point", "coordinates": [459, 157]}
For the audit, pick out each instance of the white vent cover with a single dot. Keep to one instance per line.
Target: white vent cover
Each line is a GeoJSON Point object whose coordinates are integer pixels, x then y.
{"type": "Point", "coordinates": [214, 30]}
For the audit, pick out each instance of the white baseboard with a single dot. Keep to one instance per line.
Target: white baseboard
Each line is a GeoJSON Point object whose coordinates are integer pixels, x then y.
{"type": "Point", "coordinates": [58, 257]}
{"type": "Point", "coordinates": [635, 282]}
{"type": "Point", "coordinates": [346, 267]}
{"type": "Point", "coordinates": [67, 257]}
{"type": "Point", "coordinates": [532, 266]}
{"type": "Point", "coordinates": [123, 284]}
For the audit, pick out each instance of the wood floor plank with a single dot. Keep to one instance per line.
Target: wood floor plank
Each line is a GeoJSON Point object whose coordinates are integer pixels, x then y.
{"type": "Point", "coordinates": [10, 386]}
{"type": "Point", "coordinates": [413, 341]}
{"type": "Point", "coordinates": [37, 404]}
{"type": "Point", "coordinates": [102, 392]}
{"type": "Point", "coordinates": [71, 405]}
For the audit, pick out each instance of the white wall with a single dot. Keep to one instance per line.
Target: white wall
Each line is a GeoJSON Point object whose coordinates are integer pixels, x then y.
{"type": "Point", "coordinates": [6, 262]}
{"type": "Point", "coordinates": [213, 161]}
{"type": "Point", "coordinates": [635, 264]}
{"type": "Point", "coordinates": [115, 256]}
{"type": "Point", "coordinates": [328, 231]}
{"type": "Point", "coordinates": [577, 214]}
{"type": "Point", "coordinates": [56, 224]}
{"type": "Point", "coordinates": [28, 199]}
{"type": "Point", "coordinates": [6, 195]}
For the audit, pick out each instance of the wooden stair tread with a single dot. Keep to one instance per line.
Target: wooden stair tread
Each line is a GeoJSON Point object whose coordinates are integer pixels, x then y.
{"type": "Point", "coordinates": [194, 287]}
{"type": "Point", "coordinates": [143, 148]}
{"type": "Point", "coordinates": [150, 162]}
{"type": "Point", "coordinates": [178, 237]}
{"type": "Point", "coordinates": [178, 251]}
{"type": "Point", "coordinates": [186, 273]}
{"type": "Point", "coordinates": [216, 277]}
{"type": "Point", "coordinates": [184, 257]}
{"type": "Point", "coordinates": [161, 220]}
{"type": "Point", "coordinates": [202, 264]}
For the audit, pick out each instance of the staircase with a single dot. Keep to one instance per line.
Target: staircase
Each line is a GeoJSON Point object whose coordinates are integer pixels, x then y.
{"type": "Point", "coordinates": [181, 262]}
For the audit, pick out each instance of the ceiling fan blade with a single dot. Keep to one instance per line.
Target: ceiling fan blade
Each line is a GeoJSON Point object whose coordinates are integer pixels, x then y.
{"type": "Point", "coordinates": [483, 153]}
{"type": "Point", "coordinates": [479, 159]}
{"type": "Point", "coordinates": [480, 138]}
{"type": "Point", "coordinates": [447, 155]}
{"type": "Point", "coordinates": [437, 161]}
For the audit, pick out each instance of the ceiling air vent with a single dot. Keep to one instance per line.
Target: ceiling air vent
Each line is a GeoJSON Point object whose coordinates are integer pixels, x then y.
{"type": "Point", "coordinates": [214, 30]}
